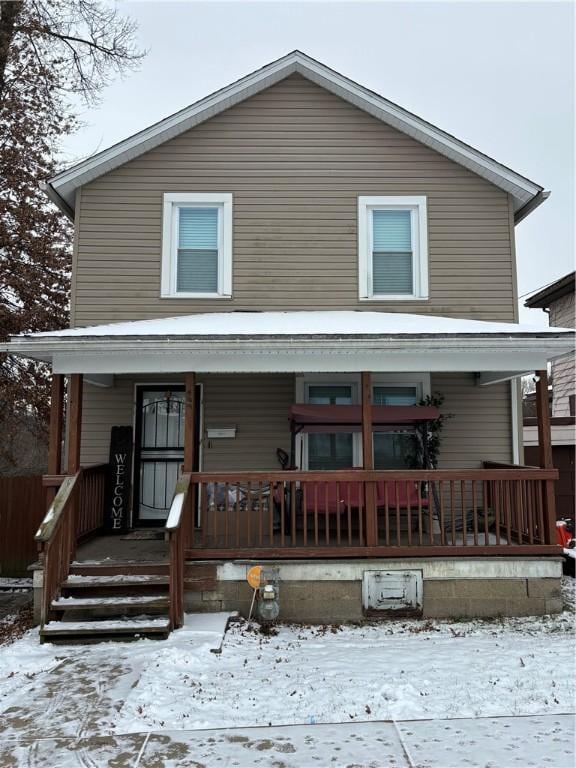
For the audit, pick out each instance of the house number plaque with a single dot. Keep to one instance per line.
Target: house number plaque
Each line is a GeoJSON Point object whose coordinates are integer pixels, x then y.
{"type": "Point", "coordinates": [118, 482]}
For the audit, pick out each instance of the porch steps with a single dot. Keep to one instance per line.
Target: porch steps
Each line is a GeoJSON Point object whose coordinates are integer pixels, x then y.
{"type": "Point", "coordinates": [116, 601]}
{"type": "Point", "coordinates": [121, 602]}
{"type": "Point", "coordinates": [77, 581]}
{"type": "Point", "coordinates": [105, 629]}
{"type": "Point", "coordinates": [125, 567]}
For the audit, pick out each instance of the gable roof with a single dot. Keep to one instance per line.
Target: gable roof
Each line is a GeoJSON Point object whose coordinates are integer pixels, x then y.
{"type": "Point", "coordinates": [552, 292]}
{"type": "Point", "coordinates": [526, 194]}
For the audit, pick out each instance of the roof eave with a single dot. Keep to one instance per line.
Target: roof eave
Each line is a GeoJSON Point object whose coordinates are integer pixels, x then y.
{"type": "Point", "coordinates": [523, 190]}
{"type": "Point", "coordinates": [551, 293]}
{"type": "Point", "coordinates": [57, 199]}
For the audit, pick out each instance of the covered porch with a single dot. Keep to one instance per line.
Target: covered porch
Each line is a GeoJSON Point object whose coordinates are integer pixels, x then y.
{"type": "Point", "coordinates": [300, 512]}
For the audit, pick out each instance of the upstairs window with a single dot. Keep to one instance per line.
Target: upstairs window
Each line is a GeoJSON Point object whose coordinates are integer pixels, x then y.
{"type": "Point", "coordinates": [197, 246]}
{"type": "Point", "coordinates": [393, 248]}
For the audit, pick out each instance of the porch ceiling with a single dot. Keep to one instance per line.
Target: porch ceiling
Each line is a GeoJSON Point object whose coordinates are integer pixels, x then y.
{"type": "Point", "coordinates": [346, 341]}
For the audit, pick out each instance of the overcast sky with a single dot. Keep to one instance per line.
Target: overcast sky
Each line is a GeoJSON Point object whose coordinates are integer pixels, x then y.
{"type": "Point", "coordinates": [498, 75]}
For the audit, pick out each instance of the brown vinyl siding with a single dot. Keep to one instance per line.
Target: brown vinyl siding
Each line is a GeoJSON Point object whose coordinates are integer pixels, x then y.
{"type": "Point", "coordinates": [258, 405]}
{"type": "Point", "coordinates": [295, 158]}
{"type": "Point", "coordinates": [562, 315]}
{"type": "Point", "coordinates": [480, 428]}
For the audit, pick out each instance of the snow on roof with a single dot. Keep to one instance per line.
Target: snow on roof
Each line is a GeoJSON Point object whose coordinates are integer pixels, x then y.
{"type": "Point", "coordinates": [335, 323]}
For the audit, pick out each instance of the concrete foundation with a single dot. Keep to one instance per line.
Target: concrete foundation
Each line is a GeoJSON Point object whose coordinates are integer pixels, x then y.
{"type": "Point", "coordinates": [331, 591]}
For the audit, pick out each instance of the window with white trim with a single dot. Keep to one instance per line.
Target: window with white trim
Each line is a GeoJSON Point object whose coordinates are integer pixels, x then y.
{"type": "Point", "coordinates": [330, 450]}
{"type": "Point", "coordinates": [391, 449]}
{"type": "Point", "coordinates": [392, 248]}
{"type": "Point", "coordinates": [197, 245]}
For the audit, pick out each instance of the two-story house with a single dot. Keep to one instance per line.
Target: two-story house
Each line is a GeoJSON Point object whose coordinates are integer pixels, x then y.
{"type": "Point", "coordinates": [277, 294]}
{"type": "Point", "coordinates": [558, 300]}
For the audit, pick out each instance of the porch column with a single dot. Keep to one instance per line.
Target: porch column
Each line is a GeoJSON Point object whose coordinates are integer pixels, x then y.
{"type": "Point", "coordinates": [545, 453]}
{"type": "Point", "coordinates": [189, 422]}
{"type": "Point", "coordinates": [368, 459]}
{"type": "Point", "coordinates": [55, 432]}
{"type": "Point", "coordinates": [74, 422]}
{"type": "Point", "coordinates": [190, 417]}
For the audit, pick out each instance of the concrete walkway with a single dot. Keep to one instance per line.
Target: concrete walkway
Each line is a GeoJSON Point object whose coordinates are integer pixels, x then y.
{"type": "Point", "coordinates": [503, 742]}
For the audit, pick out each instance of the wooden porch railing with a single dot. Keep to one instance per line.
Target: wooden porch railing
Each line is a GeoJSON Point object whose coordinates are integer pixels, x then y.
{"type": "Point", "coordinates": [177, 531]}
{"type": "Point", "coordinates": [372, 513]}
{"type": "Point", "coordinates": [76, 511]}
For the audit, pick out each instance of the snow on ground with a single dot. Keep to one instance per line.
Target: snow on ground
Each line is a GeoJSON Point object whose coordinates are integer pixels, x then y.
{"type": "Point", "coordinates": [402, 669]}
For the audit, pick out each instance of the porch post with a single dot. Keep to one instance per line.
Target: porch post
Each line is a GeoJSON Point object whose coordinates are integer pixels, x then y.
{"type": "Point", "coordinates": [190, 417]}
{"type": "Point", "coordinates": [55, 432]}
{"type": "Point", "coordinates": [545, 452]}
{"type": "Point", "coordinates": [189, 422]}
{"type": "Point", "coordinates": [74, 422]}
{"type": "Point", "coordinates": [368, 460]}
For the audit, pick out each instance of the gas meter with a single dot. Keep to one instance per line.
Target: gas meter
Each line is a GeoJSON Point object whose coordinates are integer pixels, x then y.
{"type": "Point", "coordinates": [268, 605]}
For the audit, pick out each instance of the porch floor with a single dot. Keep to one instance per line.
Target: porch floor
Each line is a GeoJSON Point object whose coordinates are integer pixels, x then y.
{"type": "Point", "coordinates": [102, 549]}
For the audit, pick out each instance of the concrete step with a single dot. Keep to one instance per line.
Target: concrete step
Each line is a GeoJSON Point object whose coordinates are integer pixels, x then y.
{"type": "Point", "coordinates": [119, 603]}
{"type": "Point", "coordinates": [105, 629]}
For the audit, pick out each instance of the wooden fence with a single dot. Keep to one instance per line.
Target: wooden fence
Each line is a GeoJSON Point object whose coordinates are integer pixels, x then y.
{"type": "Point", "coordinates": [22, 508]}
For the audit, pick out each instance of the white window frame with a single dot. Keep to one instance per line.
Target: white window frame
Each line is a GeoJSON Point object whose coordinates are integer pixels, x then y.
{"type": "Point", "coordinates": [419, 222]}
{"type": "Point", "coordinates": [172, 201]}
{"type": "Point", "coordinates": [304, 381]}
{"type": "Point", "coordinates": [303, 384]}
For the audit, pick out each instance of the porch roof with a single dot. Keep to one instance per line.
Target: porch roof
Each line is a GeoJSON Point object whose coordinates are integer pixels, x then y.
{"type": "Point", "coordinates": [298, 342]}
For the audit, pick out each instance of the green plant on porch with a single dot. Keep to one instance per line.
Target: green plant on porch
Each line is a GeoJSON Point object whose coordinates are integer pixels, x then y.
{"type": "Point", "coordinates": [424, 443]}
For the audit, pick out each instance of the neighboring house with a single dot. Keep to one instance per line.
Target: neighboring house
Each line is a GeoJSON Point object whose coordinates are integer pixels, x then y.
{"type": "Point", "coordinates": [283, 272]}
{"type": "Point", "coordinates": [558, 301]}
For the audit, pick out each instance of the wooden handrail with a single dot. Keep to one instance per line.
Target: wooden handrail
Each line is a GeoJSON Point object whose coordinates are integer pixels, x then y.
{"type": "Point", "coordinates": [75, 511]}
{"type": "Point", "coordinates": [362, 475]}
{"type": "Point", "coordinates": [177, 529]}
{"type": "Point", "coordinates": [178, 501]}
{"type": "Point", "coordinates": [58, 507]}
{"type": "Point", "coordinates": [506, 465]}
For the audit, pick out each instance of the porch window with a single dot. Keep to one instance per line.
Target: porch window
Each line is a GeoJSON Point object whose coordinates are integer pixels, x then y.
{"type": "Point", "coordinates": [197, 246]}
{"type": "Point", "coordinates": [391, 448]}
{"type": "Point", "coordinates": [393, 248]}
{"type": "Point", "coordinates": [330, 450]}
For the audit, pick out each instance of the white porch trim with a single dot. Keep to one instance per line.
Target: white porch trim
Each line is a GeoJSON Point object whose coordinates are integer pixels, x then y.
{"type": "Point", "coordinates": [299, 342]}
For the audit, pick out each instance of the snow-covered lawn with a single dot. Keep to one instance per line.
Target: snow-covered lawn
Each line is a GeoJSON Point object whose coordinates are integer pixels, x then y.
{"type": "Point", "coordinates": [401, 670]}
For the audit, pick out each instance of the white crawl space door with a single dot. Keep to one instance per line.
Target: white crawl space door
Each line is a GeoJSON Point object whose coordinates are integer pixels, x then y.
{"type": "Point", "coordinates": [392, 591]}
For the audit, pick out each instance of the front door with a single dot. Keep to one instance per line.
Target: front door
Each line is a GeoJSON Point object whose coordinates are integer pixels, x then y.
{"type": "Point", "coordinates": [159, 450]}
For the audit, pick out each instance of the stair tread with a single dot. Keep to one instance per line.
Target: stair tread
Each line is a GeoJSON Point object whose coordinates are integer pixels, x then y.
{"type": "Point", "coordinates": [100, 626]}
{"type": "Point", "coordinates": [135, 579]}
{"type": "Point", "coordinates": [126, 601]}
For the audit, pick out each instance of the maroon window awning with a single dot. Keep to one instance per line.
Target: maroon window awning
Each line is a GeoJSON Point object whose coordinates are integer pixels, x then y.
{"type": "Point", "coordinates": [348, 418]}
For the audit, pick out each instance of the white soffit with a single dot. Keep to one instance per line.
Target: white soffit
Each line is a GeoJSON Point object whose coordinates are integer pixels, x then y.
{"type": "Point", "coordinates": [62, 188]}
{"type": "Point", "coordinates": [298, 342]}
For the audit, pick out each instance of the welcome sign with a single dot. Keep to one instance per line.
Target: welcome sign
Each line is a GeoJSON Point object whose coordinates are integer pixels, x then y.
{"type": "Point", "coordinates": [118, 482]}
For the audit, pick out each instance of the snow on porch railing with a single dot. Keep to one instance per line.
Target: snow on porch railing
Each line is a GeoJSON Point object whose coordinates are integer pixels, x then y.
{"type": "Point", "coordinates": [358, 512]}
{"type": "Point", "coordinates": [76, 511]}
{"type": "Point", "coordinates": [177, 533]}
